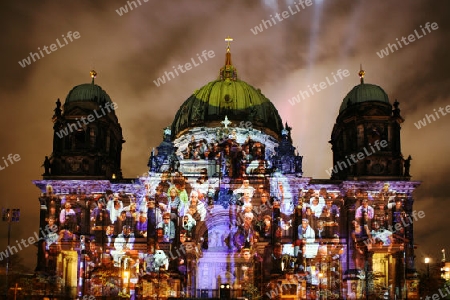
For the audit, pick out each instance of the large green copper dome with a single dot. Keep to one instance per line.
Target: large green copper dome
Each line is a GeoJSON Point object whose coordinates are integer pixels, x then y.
{"type": "Point", "coordinates": [364, 92]}
{"type": "Point", "coordinates": [88, 92]}
{"type": "Point", "coordinates": [231, 97]}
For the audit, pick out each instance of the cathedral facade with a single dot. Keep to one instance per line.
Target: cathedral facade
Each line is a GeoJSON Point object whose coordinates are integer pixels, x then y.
{"type": "Point", "coordinates": [225, 211]}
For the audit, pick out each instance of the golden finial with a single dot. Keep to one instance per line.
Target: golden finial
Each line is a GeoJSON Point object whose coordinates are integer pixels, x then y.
{"type": "Point", "coordinates": [228, 39]}
{"type": "Point", "coordinates": [93, 75]}
{"type": "Point", "coordinates": [361, 73]}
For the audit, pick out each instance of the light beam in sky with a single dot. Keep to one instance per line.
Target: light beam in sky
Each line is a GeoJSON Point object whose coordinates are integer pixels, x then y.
{"type": "Point", "coordinates": [270, 4]}
{"type": "Point", "coordinates": [351, 28]}
{"type": "Point", "coordinates": [314, 33]}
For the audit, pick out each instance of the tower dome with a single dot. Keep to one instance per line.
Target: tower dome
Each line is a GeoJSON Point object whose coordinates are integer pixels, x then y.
{"type": "Point", "coordinates": [231, 97]}
{"type": "Point", "coordinates": [88, 92]}
{"type": "Point", "coordinates": [364, 92]}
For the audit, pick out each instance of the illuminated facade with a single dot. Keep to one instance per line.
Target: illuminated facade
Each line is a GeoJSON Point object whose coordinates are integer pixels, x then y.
{"type": "Point", "coordinates": [224, 210]}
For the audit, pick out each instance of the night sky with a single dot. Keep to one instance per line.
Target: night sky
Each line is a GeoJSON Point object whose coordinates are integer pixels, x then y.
{"type": "Point", "coordinates": [130, 51]}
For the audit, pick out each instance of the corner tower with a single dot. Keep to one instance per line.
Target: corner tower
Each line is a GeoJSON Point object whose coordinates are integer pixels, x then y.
{"type": "Point", "coordinates": [366, 136]}
{"type": "Point", "coordinates": [87, 137]}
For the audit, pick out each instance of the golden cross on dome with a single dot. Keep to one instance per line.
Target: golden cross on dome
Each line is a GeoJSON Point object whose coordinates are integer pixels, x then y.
{"type": "Point", "coordinates": [93, 75]}
{"type": "Point", "coordinates": [228, 39]}
{"type": "Point", "coordinates": [361, 73]}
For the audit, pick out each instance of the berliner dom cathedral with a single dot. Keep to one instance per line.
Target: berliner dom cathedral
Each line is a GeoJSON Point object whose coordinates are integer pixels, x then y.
{"type": "Point", "coordinates": [225, 209]}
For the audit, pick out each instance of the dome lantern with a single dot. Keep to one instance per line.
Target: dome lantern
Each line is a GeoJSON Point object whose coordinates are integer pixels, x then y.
{"type": "Point", "coordinates": [228, 72]}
